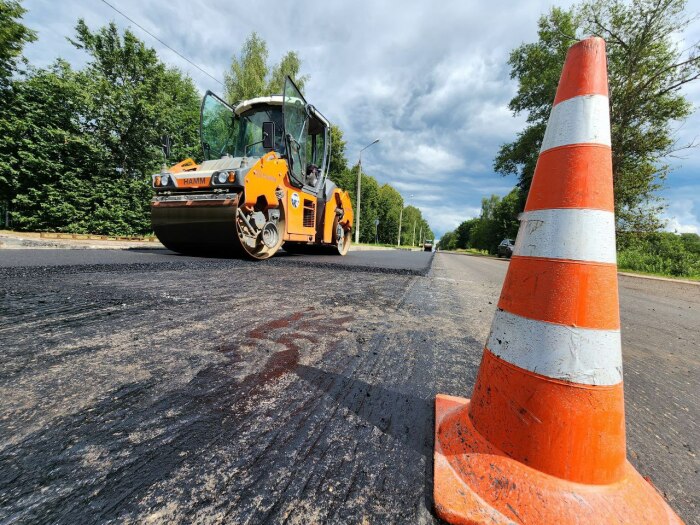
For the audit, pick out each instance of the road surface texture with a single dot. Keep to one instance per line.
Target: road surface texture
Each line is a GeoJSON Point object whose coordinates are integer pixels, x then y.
{"type": "Point", "coordinates": [394, 261]}
{"type": "Point", "coordinates": [153, 388]}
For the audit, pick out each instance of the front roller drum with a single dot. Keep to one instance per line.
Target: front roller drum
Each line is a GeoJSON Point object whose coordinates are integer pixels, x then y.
{"type": "Point", "coordinates": [193, 228]}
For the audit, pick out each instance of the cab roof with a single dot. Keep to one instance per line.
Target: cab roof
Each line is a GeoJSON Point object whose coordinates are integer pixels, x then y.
{"type": "Point", "coordinates": [276, 100]}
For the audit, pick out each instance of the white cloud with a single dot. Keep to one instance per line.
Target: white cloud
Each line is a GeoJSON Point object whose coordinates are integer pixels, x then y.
{"type": "Point", "coordinates": [429, 157]}
{"type": "Point", "coordinates": [675, 226]}
{"type": "Point", "coordinates": [445, 218]}
{"type": "Point", "coordinates": [683, 212]}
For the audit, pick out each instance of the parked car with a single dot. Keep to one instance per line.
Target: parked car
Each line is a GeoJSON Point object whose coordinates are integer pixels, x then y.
{"type": "Point", "coordinates": [505, 249]}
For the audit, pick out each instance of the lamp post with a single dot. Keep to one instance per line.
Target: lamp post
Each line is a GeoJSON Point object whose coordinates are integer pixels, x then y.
{"type": "Point", "coordinates": [359, 191]}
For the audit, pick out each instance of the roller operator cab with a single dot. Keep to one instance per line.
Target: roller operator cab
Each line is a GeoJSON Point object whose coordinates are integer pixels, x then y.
{"type": "Point", "coordinates": [262, 185]}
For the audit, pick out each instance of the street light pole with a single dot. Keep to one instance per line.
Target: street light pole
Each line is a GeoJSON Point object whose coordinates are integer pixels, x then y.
{"type": "Point", "coordinates": [413, 242]}
{"type": "Point", "coordinates": [359, 191]}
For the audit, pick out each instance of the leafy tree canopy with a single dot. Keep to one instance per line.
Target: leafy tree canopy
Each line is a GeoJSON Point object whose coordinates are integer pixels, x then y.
{"type": "Point", "coordinates": [497, 221]}
{"type": "Point", "coordinates": [135, 98]}
{"type": "Point", "coordinates": [13, 37]}
{"type": "Point", "coordinates": [646, 68]}
{"type": "Point", "coordinates": [86, 142]}
{"type": "Point", "coordinates": [389, 213]}
{"type": "Point", "coordinates": [338, 162]}
{"type": "Point", "coordinates": [251, 76]}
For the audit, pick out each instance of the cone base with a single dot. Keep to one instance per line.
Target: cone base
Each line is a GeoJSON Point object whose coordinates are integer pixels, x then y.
{"type": "Point", "coordinates": [475, 483]}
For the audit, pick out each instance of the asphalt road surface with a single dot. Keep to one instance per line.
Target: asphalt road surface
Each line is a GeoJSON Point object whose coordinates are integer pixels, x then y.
{"type": "Point", "coordinates": [401, 261]}
{"type": "Point", "coordinates": [149, 387]}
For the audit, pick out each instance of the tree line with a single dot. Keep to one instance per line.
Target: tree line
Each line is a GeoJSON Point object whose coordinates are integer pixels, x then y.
{"type": "Point", "coordinates": [78, 146]}
{"type": "Point", "coordinates": [646, 70]}
{"type": "Point", "coordinates": [497, 221]}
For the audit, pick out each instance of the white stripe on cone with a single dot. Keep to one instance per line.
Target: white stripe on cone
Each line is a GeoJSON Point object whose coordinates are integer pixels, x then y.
{"type": "Point", "coordinates": [567, 233]}
{"type": "Point", "coordinates": [579, 120]}
{"type": "Point", "coordinates": [578, 355]}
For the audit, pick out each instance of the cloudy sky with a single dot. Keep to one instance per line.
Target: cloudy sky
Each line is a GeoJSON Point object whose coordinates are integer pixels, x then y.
{"type": "Point", "coordinates": [429, 79]}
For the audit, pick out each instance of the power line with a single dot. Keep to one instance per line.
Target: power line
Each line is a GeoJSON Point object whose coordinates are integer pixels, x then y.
{"type": "Point", "coordinates": [166, 45]}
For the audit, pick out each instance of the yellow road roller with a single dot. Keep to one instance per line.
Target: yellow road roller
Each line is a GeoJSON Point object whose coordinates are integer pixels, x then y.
{"type": "Point", "coordinates": [263, 184]}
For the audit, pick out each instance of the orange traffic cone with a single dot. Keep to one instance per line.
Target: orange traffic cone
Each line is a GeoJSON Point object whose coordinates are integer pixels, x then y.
{"type": "Point", "coordinates": [543, 438]}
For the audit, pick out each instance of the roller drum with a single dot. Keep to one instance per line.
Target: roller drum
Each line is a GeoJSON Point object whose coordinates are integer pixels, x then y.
{"type": "Point", "coordinates": [197, 229]}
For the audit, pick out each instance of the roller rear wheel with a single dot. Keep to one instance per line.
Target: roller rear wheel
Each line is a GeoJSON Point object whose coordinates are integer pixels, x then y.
{"type": "Point", "coordinates": [254, 245]}
{"type": "Point", "coordinates": [341, 238]}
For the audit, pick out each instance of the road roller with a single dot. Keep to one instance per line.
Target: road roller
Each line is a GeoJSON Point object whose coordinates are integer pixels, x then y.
{"type": "Point", "coordinates": [263, 184]}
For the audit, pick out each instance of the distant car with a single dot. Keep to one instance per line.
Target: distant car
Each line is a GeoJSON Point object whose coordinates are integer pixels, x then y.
{"type": "Point", "coordinates": [428, 246]}
{"type": "Point", "coordinates": [505, 249]}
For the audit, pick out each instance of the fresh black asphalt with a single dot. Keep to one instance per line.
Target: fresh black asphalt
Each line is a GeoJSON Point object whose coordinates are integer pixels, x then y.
{"type": "Point", "coordinates": [148, 387]}
{"type": "Point", "coordinates": [396, 261]}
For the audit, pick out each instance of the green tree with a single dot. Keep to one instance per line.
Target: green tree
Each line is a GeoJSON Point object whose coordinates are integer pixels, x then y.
{"type": "Point", "coordinates": [58, 178]}
{"type": "Point", "coordinates": [424, 232]}
{"type": "Point", "coordinates": [410, 226]}
{"type": "Point", "coordinates": [347, 180]}
{"type": "Point", "coordinates": [370, 208]}
{"type": "Point", "coordinates": [338, 170]}
{"type": "Point", "coordinates": [463, 233]}
{"type": "Point", "coordinates": [247, 75]}
{"type": "Point", "coordinates": [13, 37]}
{"type": "Point", "coordinates": [134, 98]}
{"type": "Point", "coordinates": [370, 201]}
{"type": "Point", "coordinates": [448, 241]}
{"type": "Point", "coordinates": [498, 221]}
{"type": "Point", "coordinates": [89, 140]}
{"type": "Point", "coordinates": [505, 217]}
{"type": "Point", "coordinates": [289, 66]}
{"type": "Point", "coordinates": [691, 243]}
{"type": "Point", "coordinates": [251, 76]}
{"type": "Point", "coordinates": [484, 231]}
{"type": "Point", "coordinates": [646, 70]}
{"type": "Point", "coordinates": [390, 206]}
{"type": "Point", "coordinates": [339, 163]}
{"type": "Point", "coordinates": [663, 253]}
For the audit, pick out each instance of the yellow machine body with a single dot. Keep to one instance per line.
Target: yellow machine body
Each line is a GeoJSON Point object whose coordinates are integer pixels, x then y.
{"type": "Point", "coordinates": [254, 204]}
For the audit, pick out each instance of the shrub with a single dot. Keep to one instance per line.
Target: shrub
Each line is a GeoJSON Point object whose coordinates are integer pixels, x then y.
{"type": "Point", "coordinates": [663, 253]}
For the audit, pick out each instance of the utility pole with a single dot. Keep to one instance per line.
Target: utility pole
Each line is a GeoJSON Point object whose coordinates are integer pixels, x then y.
{"type": "Point", "coordinates": [359, 192]}
{"type": "Point", "coordinates": [420, 237]}
{"type": "Point", "coordinates": [413, 242]}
